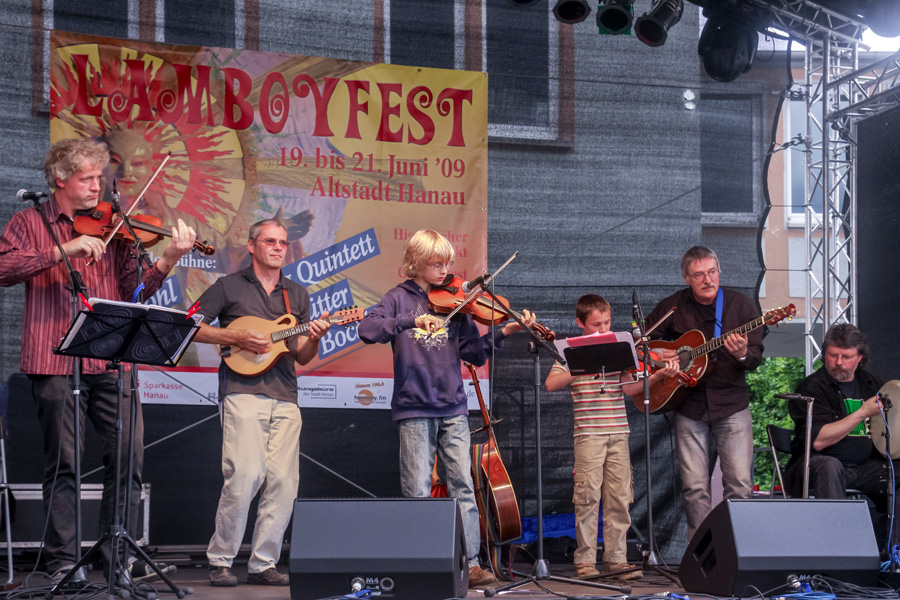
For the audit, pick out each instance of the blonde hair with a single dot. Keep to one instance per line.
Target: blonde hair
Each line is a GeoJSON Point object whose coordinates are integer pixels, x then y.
{"type": "Point", "coordinates": [424, 246]}
{"type": "Point", "coordinates": [67, 157]}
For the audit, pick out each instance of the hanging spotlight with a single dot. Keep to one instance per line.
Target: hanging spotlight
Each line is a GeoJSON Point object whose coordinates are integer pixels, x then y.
{"type": "Point", "coordinates": [883, 17]}
{"type": "Point", "coordinates": [523, 3]}
{"type": "Point", "coordinates": [571, 11]}
{"type": "Point", "coordinates": [653, 26]}
{"type": "Point", "coordinates": [615, 16]}
{"type": "Point", "coordinates": [727, 47]}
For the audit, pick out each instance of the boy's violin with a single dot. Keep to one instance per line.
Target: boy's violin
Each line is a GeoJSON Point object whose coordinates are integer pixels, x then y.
{"type": "Point", "coordinates": [449, 297]}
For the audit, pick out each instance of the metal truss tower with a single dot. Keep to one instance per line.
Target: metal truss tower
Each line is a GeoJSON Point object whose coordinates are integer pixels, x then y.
{"type": "Point", "coordinates": [838, 93]}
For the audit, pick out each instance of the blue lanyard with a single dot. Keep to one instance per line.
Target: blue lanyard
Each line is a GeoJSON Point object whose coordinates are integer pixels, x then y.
{"type": "Point", "coordinates": [719, 302]}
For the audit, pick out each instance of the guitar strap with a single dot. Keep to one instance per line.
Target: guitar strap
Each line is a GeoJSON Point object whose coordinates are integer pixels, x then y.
{"type": "Point", "coordinates": [287, 303]}
{"type": "Point", "coordinates": [719, 302]}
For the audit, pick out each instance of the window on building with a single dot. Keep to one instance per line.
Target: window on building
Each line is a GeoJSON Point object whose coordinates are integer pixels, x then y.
{"type": "Point", "coordinates": [491, 36]}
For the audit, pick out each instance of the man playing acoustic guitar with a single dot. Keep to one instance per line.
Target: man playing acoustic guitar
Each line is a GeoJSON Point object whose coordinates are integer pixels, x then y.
{"type": "Point", "coordinates": [260, 417]}
{"type": "Point", "coordinates": [717, 409]}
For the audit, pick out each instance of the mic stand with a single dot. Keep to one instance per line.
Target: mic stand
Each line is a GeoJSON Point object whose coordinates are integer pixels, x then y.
{"type": "Point", "coordinates": [806, 450]}
{"type": "Point", "coordinates": [886, 406]}
{"type": "Point", "coordinates": [541, 569]}
{"type": "Point", "coordinates": [78, 291]}
{"type": "Point", "coordinates": [651, 558]}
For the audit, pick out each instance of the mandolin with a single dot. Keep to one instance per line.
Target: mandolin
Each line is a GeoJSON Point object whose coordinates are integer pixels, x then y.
{"type": "Point", "coordinates": [250, 364]}
{"type": "Point", "coordinates": [669, 393]}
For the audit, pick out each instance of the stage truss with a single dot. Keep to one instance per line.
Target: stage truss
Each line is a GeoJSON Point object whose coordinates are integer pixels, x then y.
{"type": "Point", "coordinates": [838, 94]}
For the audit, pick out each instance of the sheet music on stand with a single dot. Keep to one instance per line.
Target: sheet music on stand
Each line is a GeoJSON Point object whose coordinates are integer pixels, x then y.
{"type": "Point", "coordinates": [129, 332]}
{"type": "Point", "coordinates": [599, 352]}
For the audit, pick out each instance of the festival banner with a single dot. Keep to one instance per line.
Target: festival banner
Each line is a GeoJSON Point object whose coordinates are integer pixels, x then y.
{"type": "Point", "coordinates": [354, 156]}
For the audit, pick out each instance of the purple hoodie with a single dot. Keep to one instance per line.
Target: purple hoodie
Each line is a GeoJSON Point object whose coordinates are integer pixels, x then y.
{"type": "Point", "coordinates": [427, 379]}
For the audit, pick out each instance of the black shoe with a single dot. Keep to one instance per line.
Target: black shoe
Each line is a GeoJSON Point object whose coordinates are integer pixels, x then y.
{"type": "Point", "coordinates": [269, 577]}
{"type": "Point", "coordinates": [222, 577]}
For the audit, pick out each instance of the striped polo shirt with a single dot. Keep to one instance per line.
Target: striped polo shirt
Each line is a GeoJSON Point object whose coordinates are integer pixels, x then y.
{"type": "Point", "coordinates": [596, 412]}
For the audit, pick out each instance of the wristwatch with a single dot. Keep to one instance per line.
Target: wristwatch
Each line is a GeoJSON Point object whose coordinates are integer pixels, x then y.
{"type": "Point", "coordinates": [743, 358]}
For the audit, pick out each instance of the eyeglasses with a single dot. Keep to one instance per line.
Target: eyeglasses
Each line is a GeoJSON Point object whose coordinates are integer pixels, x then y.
{"type": "Point", "coordinates": [440, 266]}
{"type": "Point", "coordinates": [273, 242]}
{"type": "Point", "coordinates": [712, 274]}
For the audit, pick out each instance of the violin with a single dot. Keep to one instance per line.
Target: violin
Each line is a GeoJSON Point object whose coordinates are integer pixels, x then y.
{"type": "Point", "coordinates": [101, 220]}
{"type": "Point", "coordinates": [449, 297]}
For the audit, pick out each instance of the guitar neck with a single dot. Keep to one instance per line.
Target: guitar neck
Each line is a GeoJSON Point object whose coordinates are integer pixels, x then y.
{"type": "Point", "coordinates": [283, 334]}
{"type": "Point", "coordinates": [718, 342]}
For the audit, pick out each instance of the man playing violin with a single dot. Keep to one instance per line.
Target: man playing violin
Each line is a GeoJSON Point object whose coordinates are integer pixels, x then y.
{"type": "Point", "coordinates": [844, 395]}
{"type": "Point", "coordinates": [716, 411]}
{"type": "Point", "coordinates": [429, 402]}
{"type": "Point", "coordinates": [28, 255]}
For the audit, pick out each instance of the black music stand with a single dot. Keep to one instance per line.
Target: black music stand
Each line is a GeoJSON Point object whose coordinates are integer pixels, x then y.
{"type": "Point", "coordinates": [136, 333]}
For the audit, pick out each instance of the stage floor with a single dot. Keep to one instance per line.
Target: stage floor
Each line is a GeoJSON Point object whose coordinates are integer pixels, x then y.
{"type": "Point", "coordinates": [194, 579]}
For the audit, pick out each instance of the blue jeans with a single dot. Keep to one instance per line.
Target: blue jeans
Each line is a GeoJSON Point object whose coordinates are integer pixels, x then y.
{"type": "Point", "coordinates": [422, 439]}
{"type": "Point", "coordinates": [733, 439]}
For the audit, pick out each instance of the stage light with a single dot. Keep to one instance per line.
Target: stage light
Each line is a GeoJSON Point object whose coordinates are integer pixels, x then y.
{"type": "Point", "coordinates": [523, 2]}
{"type": "Point", "coordinates": [653, 26]}
{"type": "Point", "coordinates": [727, 47]}
{"type": "Point", "coordinates": [571, 11]}
{"type": "Point", "coordinates": [615, 16]}
{"type": "Point", "coordinates": [883, 17]}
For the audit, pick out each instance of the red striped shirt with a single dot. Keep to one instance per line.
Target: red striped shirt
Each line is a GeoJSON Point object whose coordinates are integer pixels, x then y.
{"type": "Point", "coordinates": [26, 255]}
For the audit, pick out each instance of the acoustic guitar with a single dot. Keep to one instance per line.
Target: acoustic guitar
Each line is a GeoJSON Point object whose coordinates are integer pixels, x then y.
{"type": "Point", "coordinates": [250, 364]}
{"type": "Point", "coordinates": [669, 393]}
{"type": "Point", "coordinates": [498, 509]}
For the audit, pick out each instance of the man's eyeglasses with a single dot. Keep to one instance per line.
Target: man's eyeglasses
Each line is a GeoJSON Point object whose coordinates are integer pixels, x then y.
{"type": "Point", "coordinates": [273, 242]}
{"type": "Point", "coordinates": [712, 273]}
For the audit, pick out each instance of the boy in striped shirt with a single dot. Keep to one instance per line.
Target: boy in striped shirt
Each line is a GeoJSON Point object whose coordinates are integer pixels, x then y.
{"type": "Point", "coordinates": [602, 463]}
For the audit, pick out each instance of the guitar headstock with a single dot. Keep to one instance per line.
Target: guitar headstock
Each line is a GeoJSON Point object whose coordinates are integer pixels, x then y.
{"type": "Point", "coordinates": [348, 315]}
{"type": "Point", "coordinates": [776, 315]}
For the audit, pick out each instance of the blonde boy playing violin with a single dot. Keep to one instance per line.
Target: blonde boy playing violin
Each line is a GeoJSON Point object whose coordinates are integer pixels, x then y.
{"type": "Point", "coordinates": [429, 403]}
{"type": "Point", "coordinates": [602, 462]}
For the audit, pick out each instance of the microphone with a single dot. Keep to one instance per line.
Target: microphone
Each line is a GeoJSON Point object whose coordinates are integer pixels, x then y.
{"type": "Point", "coordinates": [26, 196]}
{"type": "Point", "coordinates": [468, 286]}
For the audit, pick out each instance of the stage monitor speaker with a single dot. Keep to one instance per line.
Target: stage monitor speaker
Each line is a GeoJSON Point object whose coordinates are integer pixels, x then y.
{"type": "Point", "coordinates": [759, 543]}
{"type": "Point", "coordinates": [400, 549]}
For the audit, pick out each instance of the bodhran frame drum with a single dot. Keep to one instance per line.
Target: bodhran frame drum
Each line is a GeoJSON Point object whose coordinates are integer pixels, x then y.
{"type": "Point", "coordinates": [890, 391]}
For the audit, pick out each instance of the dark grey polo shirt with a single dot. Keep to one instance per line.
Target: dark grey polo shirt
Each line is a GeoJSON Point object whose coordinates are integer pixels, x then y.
{"type": "Point", "coordinates": [241, 294]}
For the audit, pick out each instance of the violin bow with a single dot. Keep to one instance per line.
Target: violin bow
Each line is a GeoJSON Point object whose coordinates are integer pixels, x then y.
{"type": "Point", "coordinates": [138, 199]}
{"type": "Point", "coordinates": [474, 293]}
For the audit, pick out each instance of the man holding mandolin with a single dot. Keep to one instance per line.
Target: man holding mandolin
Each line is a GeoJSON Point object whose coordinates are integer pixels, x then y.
{"type": "Point", "coordinates": [28, 254]}
{"type": "Point", "coordinates": [716, 411]}
{"type": "Point", "coordinates": [259, 412]}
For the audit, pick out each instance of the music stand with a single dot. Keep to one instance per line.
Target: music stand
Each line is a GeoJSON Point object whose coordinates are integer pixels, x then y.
{"type": "Point", "coordinates": [136, 333]}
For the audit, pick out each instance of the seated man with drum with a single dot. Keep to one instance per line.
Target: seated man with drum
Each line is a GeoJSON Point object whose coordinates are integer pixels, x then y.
{"type": "Point", "coordinates": [842, 455]}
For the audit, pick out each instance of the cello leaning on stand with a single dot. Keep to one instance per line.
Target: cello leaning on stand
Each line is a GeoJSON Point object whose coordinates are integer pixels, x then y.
{"type": "Point", "coordinates": [499, 519]}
